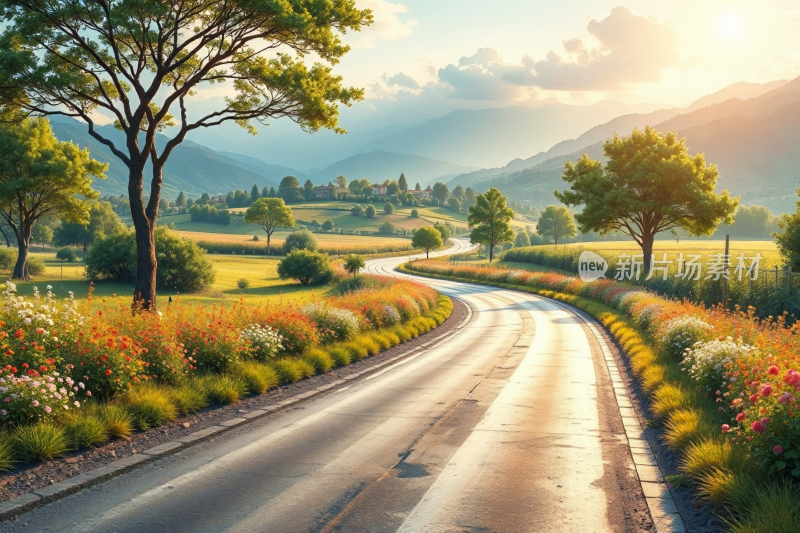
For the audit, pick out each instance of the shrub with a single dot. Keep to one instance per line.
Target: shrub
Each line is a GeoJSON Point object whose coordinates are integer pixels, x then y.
{"type": "Point", "coordinates": [333, 323]}
{"type": "Point", "coordinates": [327, 225]}
{"type": "Point", "coordinates": [287, 371]}
{"type": "Point", "coordinates": [255, 238]}
{"type": "Point", "coordinates": [707, 362]}
{"type": "Point", "coordinates": [258, 378]}
{"type": "Point", "coordinates": [414, 213]}
{"type": "Point", "coordinates": [306, 369]}
{"type": "Point", "coordinates": [8, 257]}
{"type": "Point", "coordinates": [340, 355]}
{"type": "Point", "coordinates": [40, 441]}
{"type": "Point", "coordinates": [387, 228]}
{"type": "Point", "coordinates": [66, 254]}
{"type": "Point", "coordinates": [36, 267]}
{"type": "Point", "coordinates": [353, 263]}
{"type": "Point", "coordinates": [300, 239]}
{"type": "Point", "coordinates": [188, 398]}
{"type": "Point", "coordinates": [681, 333]}
{"type": "Point", "coordinates": [44, 397]}
{"type": "Point", "coordinates": [182, 264]}
{"type": "Point", "coordinates": [265, 343]}
{"type": "Point", "coordinates": [357, 211]}
{"type": "Point", "coordinates": [242, 283]}
{"type": "Point", "coordinates": [369, 212]}
{"type": "Point", "coordinates": [148, 406]}
{"type": "Point", "coordinates": [388, 208]}
{"type": "Point", "coordinates": [225, 389]}
{"type": "Point", "coordinates": [297, 331]}
{"type": "Point", "coordinates": [85, 431]}
{"type": "Point", "coordinates": [319, 359]}
{"type": "Point", "coordinates": [118, 421]}
{"type": "Point", "coordinates": [305, 267]}
{"type": "Point", "coordinates": [6, 454]}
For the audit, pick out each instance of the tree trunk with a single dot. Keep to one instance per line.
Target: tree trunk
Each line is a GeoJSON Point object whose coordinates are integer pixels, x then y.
{"type": "Point", "coordinates": [647, 251]}
{"type": "Point", "coordinates": [23, 243]}
{"type": "Point", "coordinates": [144, 293]}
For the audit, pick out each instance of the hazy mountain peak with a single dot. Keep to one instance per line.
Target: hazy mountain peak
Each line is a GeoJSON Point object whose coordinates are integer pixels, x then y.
{"type": "Point", "coordinates": [741, 90]}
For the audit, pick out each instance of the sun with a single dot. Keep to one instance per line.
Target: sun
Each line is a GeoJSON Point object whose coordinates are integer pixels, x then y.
{"type": "Point", "coordinates": [730, 26]}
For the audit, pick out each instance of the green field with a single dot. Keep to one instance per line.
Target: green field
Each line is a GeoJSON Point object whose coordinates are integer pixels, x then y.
{"type": "Point", "coordinates": [261, 271]}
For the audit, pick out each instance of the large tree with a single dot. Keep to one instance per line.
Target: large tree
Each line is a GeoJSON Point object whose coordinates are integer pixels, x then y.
{"type": "Point", "coordinates": [490, 219]}
{"type": "Point", "coordinates": [254, 193]}
{"type": "Point", "coordinates": [556, 223]}
{"type": "Point", "coordinates": [788, 238]}
{"type": "Point", "coordinates": [402, 183]}
{"type": "Point", "coordinates": [308, 189]}
{"type": "Point", "coordinates": [181, 200]}
{"type": "Point", "coordinates": [469, 196]}
{"type": "Point", "coordinates": [102, 221]}
{"type": "Point", "coordinates": [440, 192]}
{"type": "Point", "coordinates": [270, 214]}
{"type": "Point", "coordinates": [40, 177]}
{"type": "Point", "coordinates": [649, 184]}
{"type": "Point", "coordinates": [290, 189]}
{"type": "Point", "coordinates": [137, 62]}
{"type": "Point", "coordinates": [341, 183]}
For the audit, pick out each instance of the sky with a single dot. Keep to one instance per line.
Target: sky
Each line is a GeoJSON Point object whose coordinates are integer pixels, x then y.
{"type": "Point", "coordinates": [424, 58]}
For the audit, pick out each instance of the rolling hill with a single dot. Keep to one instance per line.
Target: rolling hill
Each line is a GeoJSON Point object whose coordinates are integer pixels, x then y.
{"type": "Point", "coordinates": [191, 168]}
{"type": "Point", "coordinates": [381, 165]}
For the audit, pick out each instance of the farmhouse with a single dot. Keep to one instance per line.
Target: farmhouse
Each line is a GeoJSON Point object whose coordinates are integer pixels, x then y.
{"type": "Point", "coordinates": [325, 192]}
{"type": "Point", "coordinates": [379, 189]}
{"type": "Point", "coordinates": [419, 195]}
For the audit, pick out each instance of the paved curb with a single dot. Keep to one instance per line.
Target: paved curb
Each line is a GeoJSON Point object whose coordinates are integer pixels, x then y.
{"type": "Point", "coordinates": [12, 508]}
{"type": "Point", "coordinates": [659, 499]}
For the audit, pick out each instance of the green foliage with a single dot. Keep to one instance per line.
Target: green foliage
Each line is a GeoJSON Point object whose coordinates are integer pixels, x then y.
{"type": "Point", "coordinates": [357, 211]}
{"type": "Point", "coordinates": [556, 223]}
{"type": "Point", "coordinates": [650, 184]}
{"type": "Point", "coordinates": [387, 228]}
{"type": "Point", "coordinates": [149, 406]}
{"type": "Point", "coordinates": [440, 192]}
{"type": "Point", "coordinates": [427, 238]}
{"type": "Point", "coordinates": [36, 267]}
{"type": "Point", "coordinates": [305, 266]}
{"type": "Point", "coordinates": [102, 221]}
{"type": "Point", "coordinates": [257, 377]}
{"type": "Point", "coordinates": [454, 204]}
{"type": "Point", "coordinates": [209, 213]}
{"type": "Point", "coordinates": [443, 230]}
{"type": "Point", "coordinates": [182, 264]}
{"type": "Point", "coordinates": [66, 254]}
{"type": "Point", "coordinates": [287, 371]}
{"type": "Point", "coordinates": [118, 421]}
{"type": "Point", "coordinates": [414, 214]}
{"type": "Point", "coordinates": [750, 222]}
{"type": "Point", "coordinates": [327, 225]}
{"type": "Point", "coordinates": [242, 283]}
{"type": "Point", "coordinates": [490, 218]}
{"type": "Point", "coordinates": [225, 389]}
{"type": "Point", "coordinates": [369, 212]}
{"type": "Point", "coordinates": [788, 239]}
{"type": "Point", "coordinates": [85, 431]}
{"type": "Point", "coordinates": [289, 189]}
{"type": "Point", "coordinates": [402, 183]}
{"type": "Point", "coordinates": [388, 208]}
{"type": "Point", "coordinates": [40, 441]}
{"type": "Point", "coordinates": [301, 239]}
{"type": "Point", "coordinates": [522, 239]}
{"type": "Point", "coordinates": [353, 263]}
{"type": "Point", "coordinates": [8, 256]}
{"type": "Point", "coordinates": [39, 177]}
{"type": "Point", "coordinates": [270, 214]}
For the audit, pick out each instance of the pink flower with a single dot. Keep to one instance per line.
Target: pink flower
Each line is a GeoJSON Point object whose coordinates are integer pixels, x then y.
{"type": "Point", "coordinates": [758, 427]}
{"type": "Point", "coordinates": [3, 412]}
{"type": "Point", "coordinates": [741, 417]}
{"type": "Point", "coordinates": [765, 421]}
{"type": "Point", "coordinates": [784, 397]}
{"type": "Point", "coordinates": [773, 370]}
{"type": "Point", "coordinates": [777, 450]}
{"type": "Point", "coordinates": [754, 398]}
{"type": "Point", "coordinates": [725, 428]}
{"type": "Point", "coordinates": [88, 393]}
{"type": "Point", "coordinates": [718, 393]}
{"type": "Point", "coordinates": [47, 409]}
{"type": "Point", "coordinates": [35, 403]}
{"type": "Point", "coordinates": [766, 390]}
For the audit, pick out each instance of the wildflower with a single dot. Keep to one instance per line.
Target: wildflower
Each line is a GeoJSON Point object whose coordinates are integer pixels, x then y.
{"type": "Point", "coordinates": [784, 397]}
{"type": "Point", "coordinates": [741, 417]}
{"type": "Point", "coordinates": [753, 398]}
{"type": "Point", "coordinates": [3, 412]}
{"type": "Point", "coordinates": [773, 370]}
{"type": "Point", "coordinates": [758, 427]}
{"type": "Point", "coordinates": [725, 428]}
{"type": "Point", "coordinates": [77, 403]}
{"type": "Point", "coordinates": [766, 390]}
{"type": "Point", "coordinates": [765, 421]}
{"type": "Point", "coordinates": [47, 409]}
{"type": "Point", "coordinates": [777, 450]}
{"type": "Point", "coordinates": [88, 393]}
{"type": "Point", "coordinates": [35, 403]}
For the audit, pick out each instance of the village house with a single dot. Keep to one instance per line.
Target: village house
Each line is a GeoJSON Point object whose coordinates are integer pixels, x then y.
{"type": "Point", "coordinates": [379, 189]}
{"type": "Point", "coordinates": [325, 192]}
{"type": "Point", "coordinates": [423, 194]}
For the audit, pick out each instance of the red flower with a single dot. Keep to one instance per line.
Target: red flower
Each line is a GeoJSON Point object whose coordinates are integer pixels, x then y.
{"type": "Point", "coordinates": [19, 334]}
{"type": "Point", "coordinates": [758, 427]}
{"type": "Point", "coordinates": [108, 372]}
{"type": "Point", "coordinates": [766, 390]}
{"type": "Point", "coordinates": [725, 428]}
{"type": "Point", "coordinates": [741, 417]}
{"type": "Point", "coordinates": [773, 370]}
{"type": "Point", "coordinates": [777, 450]}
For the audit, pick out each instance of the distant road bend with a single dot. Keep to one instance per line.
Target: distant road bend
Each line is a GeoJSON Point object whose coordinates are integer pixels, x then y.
{"type": "Point", "coordinates": [508, 426]}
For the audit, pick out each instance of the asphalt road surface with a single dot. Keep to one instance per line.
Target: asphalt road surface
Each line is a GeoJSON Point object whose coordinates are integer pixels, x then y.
{"type": "Point", "coordinates": [509, 426]}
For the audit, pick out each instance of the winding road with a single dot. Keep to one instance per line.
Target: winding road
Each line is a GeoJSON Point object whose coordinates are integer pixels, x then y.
{"type": "Point", "coordinates": [510, 425]}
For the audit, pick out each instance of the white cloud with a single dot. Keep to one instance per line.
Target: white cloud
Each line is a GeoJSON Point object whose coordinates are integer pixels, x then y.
{"type": "Point", "coordinates": [389, 23]}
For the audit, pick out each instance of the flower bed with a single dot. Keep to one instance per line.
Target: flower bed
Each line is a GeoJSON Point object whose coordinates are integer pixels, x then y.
{"type": "Point", "coordinates": [724, 383]}
{"type": "Point", "coordinates": [68, 370]}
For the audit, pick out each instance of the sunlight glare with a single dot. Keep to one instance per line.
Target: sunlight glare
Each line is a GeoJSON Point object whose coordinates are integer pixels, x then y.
{"type": "Point", "coordinates": [730, 26]}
